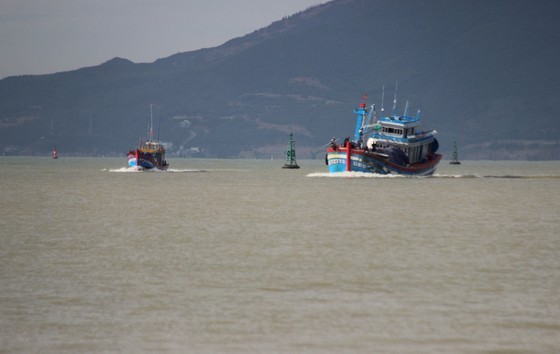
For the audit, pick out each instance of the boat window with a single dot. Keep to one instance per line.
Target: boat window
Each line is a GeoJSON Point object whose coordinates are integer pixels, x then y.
{"type": "Point", "coordinates": [389, 130]}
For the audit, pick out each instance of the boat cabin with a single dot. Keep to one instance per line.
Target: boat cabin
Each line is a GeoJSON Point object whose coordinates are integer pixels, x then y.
{"type": "Point", "coordinates": [401, 132]}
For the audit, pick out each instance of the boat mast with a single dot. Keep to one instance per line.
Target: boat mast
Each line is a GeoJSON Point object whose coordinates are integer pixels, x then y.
{"type": "Point", "coordinates": [151, 123]}
{"type": "Point", "coordinates": [382, 101]}
{"type": "Point", "coordinates": [159, 127]}
{"type": "Point", "coordinates": [368, 124]}
{"type": "Point", "coordinates": [395, 99]}
{"type": "Point", "coordinates": [361, 112]}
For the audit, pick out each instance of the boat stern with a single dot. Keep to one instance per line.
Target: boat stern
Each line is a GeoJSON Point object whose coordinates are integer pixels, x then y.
{"type": "Point", "coordinates": [336, 160]}
{"type": "Point", "coordinates": [133, 158]}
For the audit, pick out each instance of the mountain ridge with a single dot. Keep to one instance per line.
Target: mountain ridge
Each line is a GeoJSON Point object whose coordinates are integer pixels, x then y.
{"type": "Point", "coordinates": [476, 69]}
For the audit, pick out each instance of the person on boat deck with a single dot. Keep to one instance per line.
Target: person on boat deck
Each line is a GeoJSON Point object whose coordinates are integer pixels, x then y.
{"type": "Point", "coordinates": [333, 143]}
{"type": "Point", "coordinates": [359, 143]}
{"type": "Point", "coordinates": [346, 141]}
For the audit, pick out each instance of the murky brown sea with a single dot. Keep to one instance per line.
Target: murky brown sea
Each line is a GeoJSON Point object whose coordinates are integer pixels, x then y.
{"type": "Point", "coordinates": [243, 256]}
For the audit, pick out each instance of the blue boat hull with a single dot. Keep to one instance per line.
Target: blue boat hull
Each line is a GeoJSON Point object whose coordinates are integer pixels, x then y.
{"type": "Point", "coordinates": [372, 162]}
{"type": "Point", "coordinates": [145, 161]}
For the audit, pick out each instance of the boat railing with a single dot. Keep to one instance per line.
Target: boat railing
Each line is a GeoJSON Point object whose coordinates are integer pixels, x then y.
{"type": "Point", "coordinates": [422, 135]}
{"type": "Point", "coordinates": [409, 139]}
{"type": "Point", "coordinates": [400, 119]}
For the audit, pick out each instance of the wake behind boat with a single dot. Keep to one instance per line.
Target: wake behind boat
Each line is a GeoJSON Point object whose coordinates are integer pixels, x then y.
{"type": "Point", "coordinates": [150, 154]}
{"type": "Point", "coordinates": [388, 145]}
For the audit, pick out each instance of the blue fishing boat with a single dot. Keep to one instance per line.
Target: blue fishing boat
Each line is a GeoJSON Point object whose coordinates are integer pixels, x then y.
{"type": "Point", "coordinates": [392, 144]}
{"type": "Point", "coordinates": [150, 154]}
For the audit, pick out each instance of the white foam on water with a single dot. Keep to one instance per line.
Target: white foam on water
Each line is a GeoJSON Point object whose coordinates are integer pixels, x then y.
{"type": "Point", "coordinates": [352, 174]}
{"type": "Point", "coordinates": [496, 176]}
{"type": "Point", "coordinates": [173, 170]}
{"type": "Point", "coordinates": [125, 169]}
{"type": "Point", "coordinates": [437, 175]}
{"type": "Point", "coordinates": [154, 170]}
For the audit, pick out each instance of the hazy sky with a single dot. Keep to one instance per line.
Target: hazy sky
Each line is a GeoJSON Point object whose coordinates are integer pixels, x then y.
{"type": "Point", "coordinates": [46, 36]}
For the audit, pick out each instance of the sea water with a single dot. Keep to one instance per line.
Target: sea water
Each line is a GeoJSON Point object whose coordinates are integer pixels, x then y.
{"type": "Point", "coordinates": [244, 256]}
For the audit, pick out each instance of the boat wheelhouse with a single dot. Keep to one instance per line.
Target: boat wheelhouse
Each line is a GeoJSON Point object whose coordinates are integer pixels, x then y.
{"type": "Point", "coordinates": [403, 132]}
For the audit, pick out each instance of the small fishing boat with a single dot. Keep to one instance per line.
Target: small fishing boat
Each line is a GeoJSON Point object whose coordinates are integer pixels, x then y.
{"type": "Point", "coordinates": [389, 145]}
{"type": "Point", "coordinates": [291, 154]}
{"type": "Point", "coordinates": [454, 160]}
{"type": "Point", "coordinates": [150, 154]}
{"type": "Point", "coordinates": [55, 153]}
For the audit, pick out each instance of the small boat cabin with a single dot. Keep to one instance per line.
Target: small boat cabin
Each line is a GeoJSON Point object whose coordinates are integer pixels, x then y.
{"type": "Point", "coordinates": [401, 132]}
